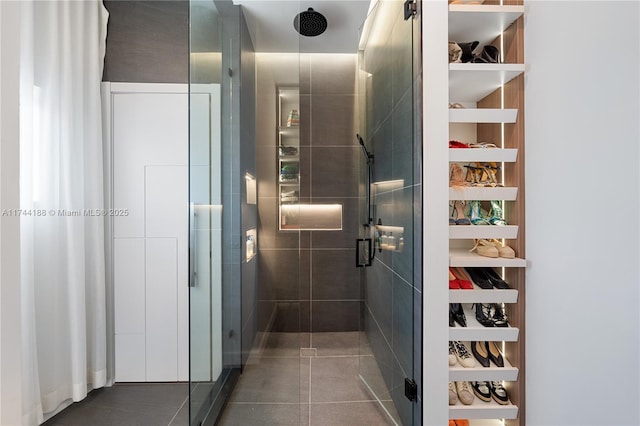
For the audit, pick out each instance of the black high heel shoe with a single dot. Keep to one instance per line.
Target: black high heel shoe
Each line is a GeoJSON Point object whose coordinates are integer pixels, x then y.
{"type": "Point", "coordinates": [494, 354]}
{"type": "Point", "coordinates": [478, 277]}
{"type": "Point", "coordinates": [484, 314]}
{"type": "Point", "coordinates": [495, 279]}
{"type": "Point", "coordinates": [499, 316]}
{"type": "Point", "coordinates": [491, 54]}
{"type": "Point", "coordinates": [467, 50]}
{"type": "Point", "coordinates": [456, 311]}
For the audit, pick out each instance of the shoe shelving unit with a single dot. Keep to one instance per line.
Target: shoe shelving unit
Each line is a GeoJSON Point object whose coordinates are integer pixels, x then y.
{"type": "Point", "coordinates": [493, 100]}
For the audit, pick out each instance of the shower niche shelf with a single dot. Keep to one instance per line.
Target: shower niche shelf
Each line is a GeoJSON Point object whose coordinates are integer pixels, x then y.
{"type": "Point", "coordinates": [288, 160]}
{"type": "Point", "coordinates": [294, 215]}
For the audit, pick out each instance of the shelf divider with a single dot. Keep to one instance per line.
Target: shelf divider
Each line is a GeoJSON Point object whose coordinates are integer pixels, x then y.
{"type": "Point", "coordinates": [482, 115]}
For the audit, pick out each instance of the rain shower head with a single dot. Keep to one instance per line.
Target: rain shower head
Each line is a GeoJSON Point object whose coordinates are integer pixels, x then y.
{"type": "Point", "coordinates": [310, 23]}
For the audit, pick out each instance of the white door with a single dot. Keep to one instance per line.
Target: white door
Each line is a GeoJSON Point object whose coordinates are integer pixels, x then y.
{"type": "Point", "coordinates": [150, 189]}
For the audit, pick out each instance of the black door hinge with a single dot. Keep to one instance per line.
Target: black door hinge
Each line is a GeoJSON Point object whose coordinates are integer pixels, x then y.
{"type": "Point", "coordinates": [410, 389]}
{"type": "Point", "coordinates": [410, 9]}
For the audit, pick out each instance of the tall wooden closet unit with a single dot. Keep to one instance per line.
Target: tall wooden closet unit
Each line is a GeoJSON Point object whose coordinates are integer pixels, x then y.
{"type": "Point", "coordinates": [493, 98]}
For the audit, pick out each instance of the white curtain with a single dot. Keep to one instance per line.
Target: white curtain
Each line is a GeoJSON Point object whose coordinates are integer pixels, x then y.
{"type": "Point", "coordinates": [62, 224]}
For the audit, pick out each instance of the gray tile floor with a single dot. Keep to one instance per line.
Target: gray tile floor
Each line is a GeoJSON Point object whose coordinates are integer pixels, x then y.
{"type": "Point", "coordinates": [147, 404]}
{"type": "Point", "coordinates": [282, 384]}
{"type": "Point", "coordinates": [285, 385]}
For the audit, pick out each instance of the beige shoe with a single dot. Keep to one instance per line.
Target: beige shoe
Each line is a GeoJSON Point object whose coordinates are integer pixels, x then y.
{"type": "Point", "coordinates": [504, 251]}
{"type": "Point", "coordinates": [453, 396]}
{"type": "Point", "coordinates": [465, 394]}
{"type": "Point", "coordinates": [485, 248]}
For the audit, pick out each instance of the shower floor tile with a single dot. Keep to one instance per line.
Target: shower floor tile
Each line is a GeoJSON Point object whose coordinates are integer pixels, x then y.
{"type": "Point", "coordinates": [273, 380]}
{"type": "Point", "coordinates": [247, 414]}
{"type": "Point", "coordinates": [329, 390]}
{"type": "Point", "coordinates": [350, 413]}
{"type": "Point", "coordinates": [336, 379]}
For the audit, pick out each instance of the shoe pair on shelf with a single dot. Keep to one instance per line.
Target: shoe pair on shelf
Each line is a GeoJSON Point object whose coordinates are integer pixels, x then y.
{"type": "Point", "coordinates": [491, 315]}
{"type": "Point", "coordinates": [487, 390]}
{"type": "Point", "coordinates": [459, 280]}
{"type": "Point", "coordinates": [487, 278]}
{"type": "Point", "coordinates": [493, 248]}
{"type": "Point", "coordinates": [478, 174]}
{"type": "Point", "coordinates": [483, 174]}
{"type": "Point", "coordinates": [472, 213]}
{"type": "Point", "coordinates": [458, 144]}
{"type": "Point", "coordinates": [458, 352]}
{"type": "Point", "coordinates": [463, 52]}
{"type": "Point", "coordinates": [460, 391]}
{"type": "Point", "coordinates": [479, 216]}
{"type": "Point", "coordinates": [456, 315]}
{"type": "Point", "coordinates": [485, 352]}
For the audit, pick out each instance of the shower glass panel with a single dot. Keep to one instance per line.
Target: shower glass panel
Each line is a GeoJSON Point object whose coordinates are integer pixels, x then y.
{"type": "Point", "coordinates": [214, 259]}
{"type": "Point", "coordinates": [388, 206]}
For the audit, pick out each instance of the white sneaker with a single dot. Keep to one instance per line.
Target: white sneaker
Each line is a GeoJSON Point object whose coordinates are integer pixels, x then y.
{"type": "Point", "coordinates": [499, 393]}
{"type": "Point", "coordinates": [453, 396]}
{"type": "Point", "coordinates": [464, 392]}
{"type": "Point", "coordinates": [452, 354]}
{"type": "Point", "coordinates": [462, 354]}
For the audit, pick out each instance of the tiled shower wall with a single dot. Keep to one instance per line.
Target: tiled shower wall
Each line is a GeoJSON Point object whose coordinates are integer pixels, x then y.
{"type": "Point", "coordinates": [307, 280]}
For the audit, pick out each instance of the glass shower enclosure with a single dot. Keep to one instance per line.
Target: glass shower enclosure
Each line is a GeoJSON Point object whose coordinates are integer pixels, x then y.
{"type": "Point", "coordinates": [234, 307]}
{"type": "Point", "coordinates": [215, 259]}
{"type": "Point", "coordinates": [390, 209]}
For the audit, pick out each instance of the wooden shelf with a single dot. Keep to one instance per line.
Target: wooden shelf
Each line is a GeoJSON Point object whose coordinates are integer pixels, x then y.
{"type": "Point", "coordinates": [483, 193]}
{"type": "Point", "coordinates": [465, 232]}
{"type": "Point", "coordinates": [481, 295]}
{"type": "Point", "coordinates": [462, 257]}
{"type": "Point", "coordinates": [471, 82]}
{"type": "Point", "coordinates": [483, 410]}
{"type": "Point", "coordinates": [482, 115]}
{"type": "Point", "coordinates": [507, 373]}
{"type": "Point", "coordinates": [483, 23]}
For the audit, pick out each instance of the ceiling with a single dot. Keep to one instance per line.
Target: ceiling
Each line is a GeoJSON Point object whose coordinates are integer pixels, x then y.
{"type": "Point", "coordinates": [271, 25]}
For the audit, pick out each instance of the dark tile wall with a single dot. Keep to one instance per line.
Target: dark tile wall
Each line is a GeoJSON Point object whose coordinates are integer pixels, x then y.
{"type": "Point", "coordinates": [147, 41]}
{"type": "Point", "coordinates": [390, 125]}
{"type": "Point", "coordinates": [309, 277]}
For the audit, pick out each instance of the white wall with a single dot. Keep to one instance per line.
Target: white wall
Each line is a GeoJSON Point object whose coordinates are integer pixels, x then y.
{"type": "Point", "coordinates": [582, 161]}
